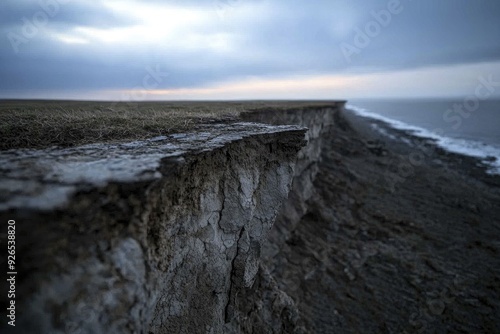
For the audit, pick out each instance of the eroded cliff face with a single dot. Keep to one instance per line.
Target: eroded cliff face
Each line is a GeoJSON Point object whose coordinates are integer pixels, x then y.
{"type": "Point", "coordinates": [165, 235]}
{"type": "Point", "coordinates": [317, 120]}
{"type": "Point", "coordinates": [265, 308]}
{"type": "Point", "coordinates": [165, 245]}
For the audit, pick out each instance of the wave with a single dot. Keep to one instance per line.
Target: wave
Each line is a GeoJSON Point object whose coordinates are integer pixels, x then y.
{"type": "Point", "coordinates": [488, 154]}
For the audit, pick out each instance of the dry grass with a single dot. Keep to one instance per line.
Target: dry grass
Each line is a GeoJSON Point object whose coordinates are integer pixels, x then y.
{"type": "Point", "coordinates": [36, 124]}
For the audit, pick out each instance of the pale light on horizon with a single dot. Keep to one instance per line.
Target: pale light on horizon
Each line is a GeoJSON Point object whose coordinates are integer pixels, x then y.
{"type": "Point", "coordinates": [457, 78]}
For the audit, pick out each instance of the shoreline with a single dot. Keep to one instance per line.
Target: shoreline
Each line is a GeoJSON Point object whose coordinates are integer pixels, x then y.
{"type": "Point", "coordinates": [487, 152]}
{"type": "Point", "coordinates": [415, 257]}
{"type": "Point", "coordinates": [409, 145]}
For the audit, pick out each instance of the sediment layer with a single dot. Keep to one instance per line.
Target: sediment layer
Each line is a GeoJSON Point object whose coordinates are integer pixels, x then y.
{"type": "Point", "coordinates": [150, 236]}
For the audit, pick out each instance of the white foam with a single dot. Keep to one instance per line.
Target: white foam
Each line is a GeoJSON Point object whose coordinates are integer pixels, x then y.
{"type": "Point", "coordinates": [383, 132]}
{"type": "Point", "coordinates": [490, 155]}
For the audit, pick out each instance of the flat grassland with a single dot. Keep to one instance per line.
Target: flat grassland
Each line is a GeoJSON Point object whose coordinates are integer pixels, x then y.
{"type": "Point", "coordinates": [39, 124]}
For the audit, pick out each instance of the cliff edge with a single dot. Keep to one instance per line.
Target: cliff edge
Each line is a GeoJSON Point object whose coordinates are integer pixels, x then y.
{"type": "Point", "coordinates": [161, 235]}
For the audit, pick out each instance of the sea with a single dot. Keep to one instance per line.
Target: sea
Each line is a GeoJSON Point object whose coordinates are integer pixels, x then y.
{"type": "Point", "coordinates": [469, 127]}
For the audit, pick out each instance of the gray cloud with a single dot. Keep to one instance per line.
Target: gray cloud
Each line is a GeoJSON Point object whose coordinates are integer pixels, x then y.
{"type": "Point", "coordinates": [61, 14]}
{"type": "Point", "coordinates": [291, 37]}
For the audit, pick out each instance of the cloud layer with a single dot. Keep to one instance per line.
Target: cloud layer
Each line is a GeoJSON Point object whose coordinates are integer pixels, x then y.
{"type": "Point", "coordinates": [76, 45]}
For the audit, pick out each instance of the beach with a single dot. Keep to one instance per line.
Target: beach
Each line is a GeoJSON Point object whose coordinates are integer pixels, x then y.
{"type": "Point", "coordinates": [399, 236]}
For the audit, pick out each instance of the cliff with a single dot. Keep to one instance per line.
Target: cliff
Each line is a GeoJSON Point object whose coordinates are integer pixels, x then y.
{"type": "Point", "coordinates": [162, 235]}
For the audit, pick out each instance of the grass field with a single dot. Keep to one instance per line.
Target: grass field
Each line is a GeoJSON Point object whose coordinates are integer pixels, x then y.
{"type": "Point", "coordinates": [38, 124]}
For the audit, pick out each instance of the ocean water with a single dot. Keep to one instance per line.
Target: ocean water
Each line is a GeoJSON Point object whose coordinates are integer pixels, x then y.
{"type": "Point", "coordinates": [466, 127]}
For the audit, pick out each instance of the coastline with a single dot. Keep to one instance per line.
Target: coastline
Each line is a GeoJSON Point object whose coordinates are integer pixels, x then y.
{"type": "Point", "coordinates": [370, 239]}
{"type": "Point", "coordinates": [487, 155]}
{"type": "Point", "coordinates": [417, 255]}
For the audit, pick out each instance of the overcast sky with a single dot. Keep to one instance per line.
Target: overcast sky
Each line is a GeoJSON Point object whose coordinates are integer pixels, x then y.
{"type": "Point", "coordinates": [247, 49]}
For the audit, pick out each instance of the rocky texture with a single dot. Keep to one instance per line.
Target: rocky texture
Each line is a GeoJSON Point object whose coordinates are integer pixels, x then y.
{"type": "Point", "coordinates": [155, 236]}
{"type": "Point", "coordinates": [264, 307]}
{"type": "Point", "coordinates": [319, 121]}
